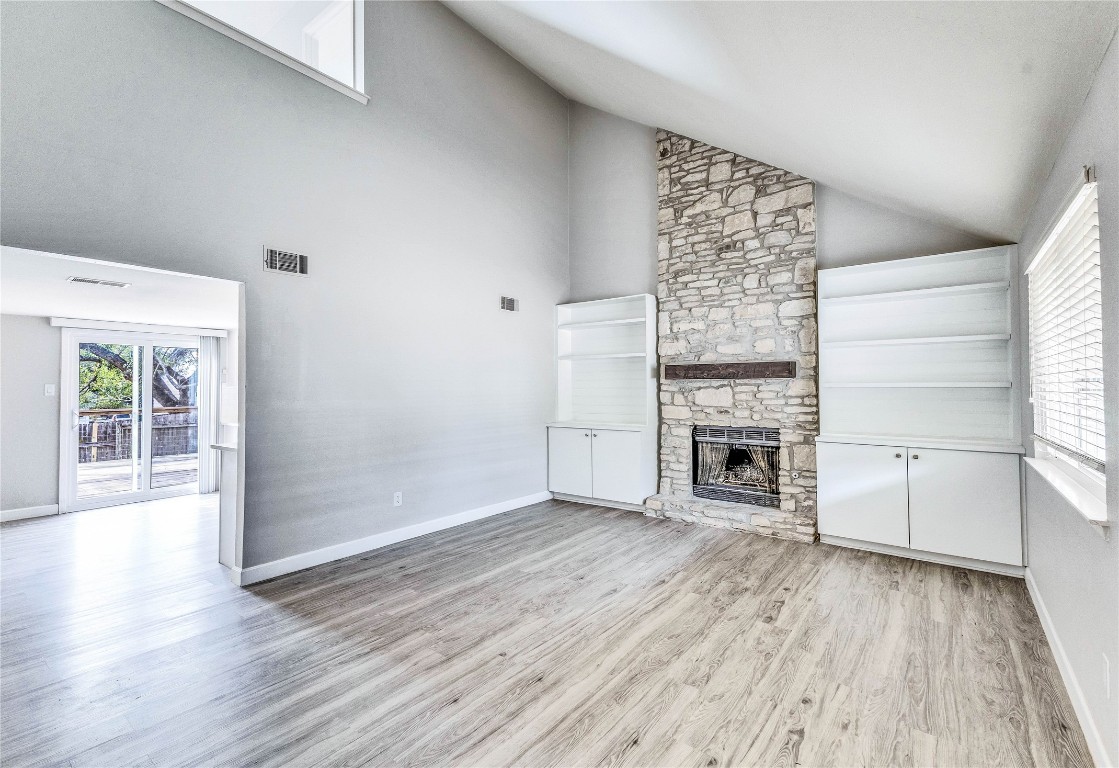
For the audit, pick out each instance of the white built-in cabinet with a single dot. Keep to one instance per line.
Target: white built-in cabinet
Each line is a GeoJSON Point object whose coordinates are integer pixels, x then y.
{"type": "Point", "coordinates": [919, 406]}
{"type": "Point", "coordinates": [949, 502]}
{"type": "Point", "coordinates": [603, 444]}
{"type": "Point", "coordinates": [596, 463]}
{"type": "Point", "coordinates": [863, 493]}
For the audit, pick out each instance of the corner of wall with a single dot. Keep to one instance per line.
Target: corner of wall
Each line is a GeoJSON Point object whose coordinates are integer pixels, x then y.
{"type": "Point", "coordinates": [856, 231]}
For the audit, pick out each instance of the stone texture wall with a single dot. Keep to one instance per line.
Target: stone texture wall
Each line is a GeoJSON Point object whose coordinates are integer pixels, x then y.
{"type": "Point", "coordinates": [737, 282]}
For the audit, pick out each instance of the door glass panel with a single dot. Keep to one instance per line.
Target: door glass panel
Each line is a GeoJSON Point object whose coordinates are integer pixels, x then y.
{"type": "Point", "coordinates": [174, 416]}
{"type": "Point", "coordinates": [110, 388]}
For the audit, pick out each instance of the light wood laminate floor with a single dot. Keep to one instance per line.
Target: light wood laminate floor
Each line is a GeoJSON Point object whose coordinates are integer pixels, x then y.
{"type": "Point", "coordinates": [555, 635]}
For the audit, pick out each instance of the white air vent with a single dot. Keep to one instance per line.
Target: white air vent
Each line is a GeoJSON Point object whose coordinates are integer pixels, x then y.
{"type": "Point", "coordinates": [284, 261]}
{"type": "Point", "coordinates": [95, 281]}
{"type": "Point", "coordinates": [509, 304]}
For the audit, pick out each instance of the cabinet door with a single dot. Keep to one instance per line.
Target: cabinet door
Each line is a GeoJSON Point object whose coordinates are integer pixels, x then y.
{"type": "Point", "coordinates": [965, 503]}
{"type": "Point", "coordinates": [569, 461]}
{"type": "Point", "coordinates": [617, 466]}
{"type": "Point", "coordinates": [862, 493]}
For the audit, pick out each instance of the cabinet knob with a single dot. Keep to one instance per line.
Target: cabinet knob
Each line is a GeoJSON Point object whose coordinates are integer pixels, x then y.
{"type": "Point", "coordinates": [586, 434]}
{"type": "Point", "coordinates": [594, 435]}
{"type": "Point", "coordinates": [916, 456]}
{"type": "Point", "coordinates": [897, 455]}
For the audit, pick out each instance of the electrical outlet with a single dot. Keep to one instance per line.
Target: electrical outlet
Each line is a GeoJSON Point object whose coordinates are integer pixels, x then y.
{"type": "Point", "coordinates": [1107, 675]}
{"type": "Point", "coordinates": [49, 390]}
{"type": "Point", "coordinates": [398, 498]}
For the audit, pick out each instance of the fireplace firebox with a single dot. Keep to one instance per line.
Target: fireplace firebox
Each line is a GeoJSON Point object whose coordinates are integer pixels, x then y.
{"type": "Point", "coordinates": [736, 464]}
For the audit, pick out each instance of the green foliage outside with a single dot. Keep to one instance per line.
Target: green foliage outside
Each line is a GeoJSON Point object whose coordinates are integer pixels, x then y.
{"type": "Point", "coordinates": [105, 376]}
{"type": "Point", "coordinates": [103, 381]}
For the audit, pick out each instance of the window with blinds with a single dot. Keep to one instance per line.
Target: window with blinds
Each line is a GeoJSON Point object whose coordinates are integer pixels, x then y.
{"type": "Point", "coordinates": [1066, 335]}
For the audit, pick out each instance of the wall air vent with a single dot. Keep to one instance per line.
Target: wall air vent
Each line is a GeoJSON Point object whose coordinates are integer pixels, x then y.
{"type": "Point", "coordinates": [95, 281]}
{"type": "Point", "coordinates": [509, 304]}
{"type": "Point", "coordinates": [284, 261]}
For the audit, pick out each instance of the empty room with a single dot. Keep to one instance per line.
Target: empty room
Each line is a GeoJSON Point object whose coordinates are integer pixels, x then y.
{"type": "Point", "coordinates": [559, 383]}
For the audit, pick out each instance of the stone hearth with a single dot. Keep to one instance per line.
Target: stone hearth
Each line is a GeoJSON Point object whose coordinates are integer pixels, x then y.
{"type": "Point", "coordinates": [737, 266]}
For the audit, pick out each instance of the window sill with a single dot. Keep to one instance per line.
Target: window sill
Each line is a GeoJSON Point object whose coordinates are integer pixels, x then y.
{"type": "Point", "coordinates": [1090, 506]}
{"type": "Point", "coordinates": [234, 34]}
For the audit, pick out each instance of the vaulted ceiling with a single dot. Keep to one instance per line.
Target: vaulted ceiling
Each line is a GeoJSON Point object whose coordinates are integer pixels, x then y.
{"type": "Point", "coordinates": [953, 111]}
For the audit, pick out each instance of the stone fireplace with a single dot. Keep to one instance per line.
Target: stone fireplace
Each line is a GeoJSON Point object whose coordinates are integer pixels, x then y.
{"type": "Point", "coordinates": [737, 337]}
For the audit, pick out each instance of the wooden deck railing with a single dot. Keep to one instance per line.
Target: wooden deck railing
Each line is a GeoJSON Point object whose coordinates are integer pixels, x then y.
{"type": "Point", "coordinates": [105, 434]}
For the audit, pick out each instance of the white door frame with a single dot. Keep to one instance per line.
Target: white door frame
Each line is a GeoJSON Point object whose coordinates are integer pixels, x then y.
{"type": "Point", "coordinates": [68, 500]}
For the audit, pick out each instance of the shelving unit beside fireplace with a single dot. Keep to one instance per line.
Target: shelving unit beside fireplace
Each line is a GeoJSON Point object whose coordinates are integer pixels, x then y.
{"type": "Point", "coordinates": [603, 443]}
{"type": "Point", "coordinates": [921, 348]}
{"type": "Point", "coordinates": [606, 360]}
{"type": "Point", "coordinates": [919, 408]}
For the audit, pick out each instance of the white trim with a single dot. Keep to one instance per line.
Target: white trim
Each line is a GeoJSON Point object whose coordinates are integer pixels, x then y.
{"type": "Point", "coordinates": [110, 325]}
{"type": "Point", "coordinates": [1002, 569]}
{"type": "Point", "coordinates": [24, 513]}
{"type": "Point", "coordinates": [359, 50]}
{"type": "Point", "coordinates": [985, 446]}
{"type": "Point", "coordinates": [600, 502]}
{"type": "Point", "coordinates": [1064, 481]}
{"type": "Point", "coordinates": [68, 420]}
{"type": "Point", "coordinates": [1092, 735]}
{"type": "Point", "coordinates": [611, 300]}
{"type": "Point", "coordinates": [136, 497]}
{"type": "Point", "coordinates": [209, 403]}
{"type": "Point", "coordinates": [118, 264]}
{"type": "Point", "coordinates": [304, 560]}
{"type": "Point", "coordinates": [273, 53]}
{"type": "Point", "coordinates": [597, 425]}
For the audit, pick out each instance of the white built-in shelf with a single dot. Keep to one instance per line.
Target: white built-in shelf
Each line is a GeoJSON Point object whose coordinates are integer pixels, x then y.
{"type": "Point", "coordinates": [601, 323]}
{"type": "Point", "coordinates": [603, 351]}
{"type": "Point", "coordinates": [920, 293]}
{"type": "Point", "coordinates": [909, 441]}
{"type": "Point", "coordinates": [961, 339]}
{"type": "Point", "coordinates": [922, 349]}
{"type": "Point", "coordinates": [920, 384]}
{"type": "Point", "coordinates": [608, 356]}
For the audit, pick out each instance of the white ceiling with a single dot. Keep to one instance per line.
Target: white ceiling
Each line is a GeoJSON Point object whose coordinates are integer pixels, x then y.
{"type": "Point", "coordinates": [953, 111]}
{"type": "Point", "coordinates": [35, 283]}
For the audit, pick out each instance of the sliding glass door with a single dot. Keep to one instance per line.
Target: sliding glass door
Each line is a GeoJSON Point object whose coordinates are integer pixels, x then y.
{"type": "Point", "coordinates": [131, 416]}
{"type": "Point", "coordinates": [174, 430]}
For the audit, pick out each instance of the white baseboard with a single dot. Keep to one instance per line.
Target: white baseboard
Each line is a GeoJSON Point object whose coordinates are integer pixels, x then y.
{"type": "Point", "coordinates": [274, 568]}
{"type": "Point", "coordinates": [599, 502]}
{"type": "Point", "coordinates": [25, 512]}
{"type": "Point", "coordinates": [1080, 706]}
{"type": "Point", "coordinates": [1001, 569]}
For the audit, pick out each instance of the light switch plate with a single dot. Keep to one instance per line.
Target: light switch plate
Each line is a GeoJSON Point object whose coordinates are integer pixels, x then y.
{"type": "Point", "coordinates": [50, 390]}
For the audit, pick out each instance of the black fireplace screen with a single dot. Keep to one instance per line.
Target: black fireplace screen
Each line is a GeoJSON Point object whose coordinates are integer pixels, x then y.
{"type": "Point", "coordinates": [736, 464]}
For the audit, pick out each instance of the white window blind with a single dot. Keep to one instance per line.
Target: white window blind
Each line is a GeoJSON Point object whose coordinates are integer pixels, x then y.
{"type": "Point", "coordinates": [1066, 334]}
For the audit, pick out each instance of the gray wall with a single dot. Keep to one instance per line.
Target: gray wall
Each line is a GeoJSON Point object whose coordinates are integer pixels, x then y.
{"type": "Point", "coordinates": [850, 230]}
{"type": "Point", "coordinates": [613, 215]}
{"type": "Point", "coordinates": [613, 206]}
{"type": "Point", "coordinates": [134, 134]}
{"type": "Point", "coordinates": [30, 356]}
{"type": "Point", "coordinates": [1075, 570]}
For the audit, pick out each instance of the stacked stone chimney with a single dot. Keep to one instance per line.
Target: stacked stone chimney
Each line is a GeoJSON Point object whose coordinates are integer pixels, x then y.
{"type": "Point", "coordinates": [737, 266]}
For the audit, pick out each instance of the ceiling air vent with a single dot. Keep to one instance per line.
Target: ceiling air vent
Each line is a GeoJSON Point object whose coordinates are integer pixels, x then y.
{"type": "Point", "coordinates": [509, 304]}
{"type": "Point", "coordinates": [284, 261]}
{"type": "Point", "coordinates": [95, 281]}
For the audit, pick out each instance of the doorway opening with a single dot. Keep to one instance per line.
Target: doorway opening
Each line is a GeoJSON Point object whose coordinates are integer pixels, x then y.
{"type": "Point", "coordinates": [129, 384]}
